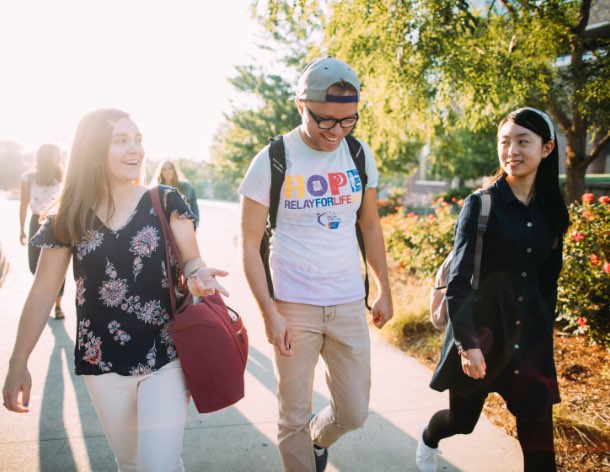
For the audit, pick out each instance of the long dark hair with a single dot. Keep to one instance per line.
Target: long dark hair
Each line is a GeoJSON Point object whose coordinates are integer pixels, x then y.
{"type": "Point", "coordinates": [48, 165]}
{"type": "Point", "coordinates": [547, 175]}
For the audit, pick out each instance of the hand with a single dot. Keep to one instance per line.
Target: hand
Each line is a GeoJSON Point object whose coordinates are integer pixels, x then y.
{"type": "Point", "coordinates": [473, 363]}
{"type": "Point", "coordinates": [23, 238]}
{"type": "Point", "coordinates": [279, 332]}
{"type": "Point", "coordinates": [18, 383]}
{"type": "Point", "coordinates": [203, 282]}
{"type": "Point", "coordinates": [382, 310]}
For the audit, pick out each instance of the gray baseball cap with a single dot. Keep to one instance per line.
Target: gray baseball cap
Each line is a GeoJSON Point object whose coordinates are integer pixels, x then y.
{"type": "Point", "coordinates": [323, 73]}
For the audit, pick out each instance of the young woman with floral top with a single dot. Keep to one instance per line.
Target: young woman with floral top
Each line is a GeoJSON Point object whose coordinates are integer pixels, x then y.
{"type": "Point", "coordinates": [124, 349]}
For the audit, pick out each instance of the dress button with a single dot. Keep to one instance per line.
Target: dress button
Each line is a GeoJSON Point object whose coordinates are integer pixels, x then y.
{"type": "Point", "coordinates": [530, 224]}
{"type": "Point", "coordinates": [520, 298]}
{"type": "Point", "coordinates": [528, 250]}
{"type": "Point", "coordinates": [518, 322]}
{"type": "Point", "coordinates": [523, 274]}
{"type": "Point", "coordinates": [516, 346]}
{"type": "Point", "coordinates": [516, 371]}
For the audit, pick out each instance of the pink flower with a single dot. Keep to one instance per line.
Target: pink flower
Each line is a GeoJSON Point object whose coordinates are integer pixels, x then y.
{"type": "Point", "coordinates": [594, 259]}
{"type": "Point", "coordinates": [460, 202]}
{"type": "Point", "coordinates": [581, 321]}
{"type": "Point", "coordinates": [606, 267]}
{"type": "Point", "coordinates": [577, 236]}
{"type": "Point", "coordinates": [588, 198]}
{"type": "Point", "coordinates": [604, 199]}
{"type": "Point", "coordinates": [453, 199]}
{"type": "Point", "coordinates": [431, 218]}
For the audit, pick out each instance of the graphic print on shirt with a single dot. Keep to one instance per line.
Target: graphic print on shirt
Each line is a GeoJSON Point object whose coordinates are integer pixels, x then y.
{"type": "Point", "coordinates": [323, 192]}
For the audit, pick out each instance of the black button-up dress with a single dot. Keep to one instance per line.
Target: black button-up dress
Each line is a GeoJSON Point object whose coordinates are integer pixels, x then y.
{"type": "Point", "coordinates": [510, 318]}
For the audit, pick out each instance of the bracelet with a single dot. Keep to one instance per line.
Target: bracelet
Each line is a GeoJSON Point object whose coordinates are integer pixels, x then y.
{"type": "Point", "coordinates": [193, 272]}
{"type": "Point", "coordinates": [195, 262]}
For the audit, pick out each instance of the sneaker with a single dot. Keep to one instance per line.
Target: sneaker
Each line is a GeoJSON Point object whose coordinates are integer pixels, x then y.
{"type": "Point", "coordinates": [425, 457]}
{"type": "Point", "coordinates": [321, 455]}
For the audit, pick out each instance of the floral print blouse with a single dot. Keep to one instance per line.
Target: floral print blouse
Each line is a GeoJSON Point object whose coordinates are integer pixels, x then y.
{"type": "Point", "coordinates": [123, 306]}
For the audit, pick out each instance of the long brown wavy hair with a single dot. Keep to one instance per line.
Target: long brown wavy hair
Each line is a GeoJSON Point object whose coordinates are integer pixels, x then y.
{"type": "Point", "coordinates": [178, 177]}
{"type": "Point", "coordinates": [48, 165]}
{"type": "Point", "coordinates": [87, 182]}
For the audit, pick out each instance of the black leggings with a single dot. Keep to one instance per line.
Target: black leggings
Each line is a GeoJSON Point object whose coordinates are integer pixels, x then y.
{"type": "Point", "coordinates": [34, 251]}
{"type": "Point", "coordinates": [535, 436]}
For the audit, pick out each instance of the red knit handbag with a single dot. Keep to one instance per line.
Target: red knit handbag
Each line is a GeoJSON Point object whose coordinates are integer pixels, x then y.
{"type": "Point", "coordinates": [210, 338]}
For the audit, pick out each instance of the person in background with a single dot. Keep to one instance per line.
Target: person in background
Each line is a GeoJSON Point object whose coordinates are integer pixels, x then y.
{"type": "Point", "coordinates": [500, 337]}
{"type": "Point", "coordinates": [106, 224]}
{"type": "Point", "coordinates": [319, 307]}
{"type": "Point", "coordinates": [168, 173]}
{"type": "Point", "coordinates": [39, 190]}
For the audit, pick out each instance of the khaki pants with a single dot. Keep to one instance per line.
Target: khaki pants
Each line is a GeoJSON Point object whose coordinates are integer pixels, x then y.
{"type": "Point", "coordinates": [340, 335]}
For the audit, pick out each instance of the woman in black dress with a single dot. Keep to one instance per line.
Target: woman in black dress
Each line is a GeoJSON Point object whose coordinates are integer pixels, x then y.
{"type": "Point", "coordinates": [500, 337]}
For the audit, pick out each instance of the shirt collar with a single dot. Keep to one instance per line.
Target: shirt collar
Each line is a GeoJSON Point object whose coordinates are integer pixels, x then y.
{"type": "Point", "coordinates": [507, 195]}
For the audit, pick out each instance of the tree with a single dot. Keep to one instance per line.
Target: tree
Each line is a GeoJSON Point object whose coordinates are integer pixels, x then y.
{"type": "Point", "coordinates": [436, 64]}
{"type": "Point", "coordinates": [12, 163]}
{"type": "Point", "coordinates": [247, 128]}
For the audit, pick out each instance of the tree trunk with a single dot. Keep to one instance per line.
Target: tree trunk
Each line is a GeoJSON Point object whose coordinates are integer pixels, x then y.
{"type": "Point", "coordinates": [575, 170]}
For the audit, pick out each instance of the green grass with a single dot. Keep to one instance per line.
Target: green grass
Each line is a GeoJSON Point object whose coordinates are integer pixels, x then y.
{"type": "Point", "coordinates": [410, 328]}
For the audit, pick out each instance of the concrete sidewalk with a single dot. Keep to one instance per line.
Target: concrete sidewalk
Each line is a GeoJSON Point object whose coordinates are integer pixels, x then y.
{"type": "Point", "coordinates": [61, 433]}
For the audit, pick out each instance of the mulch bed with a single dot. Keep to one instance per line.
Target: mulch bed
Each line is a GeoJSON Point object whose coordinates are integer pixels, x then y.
{"type": "Point", "coordinates": [582, 420]}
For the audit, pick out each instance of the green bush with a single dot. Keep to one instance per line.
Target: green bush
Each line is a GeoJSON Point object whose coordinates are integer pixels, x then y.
{"type": "Point", "coordinates": [584, 284]}
{"type": "Point", "coordinates": [420, 243]}
{"type": "Point", "coordinates": [393, 203]}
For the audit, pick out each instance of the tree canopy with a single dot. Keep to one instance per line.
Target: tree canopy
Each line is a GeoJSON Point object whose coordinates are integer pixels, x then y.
{"type": "Point", "coordinates": [434, 68]}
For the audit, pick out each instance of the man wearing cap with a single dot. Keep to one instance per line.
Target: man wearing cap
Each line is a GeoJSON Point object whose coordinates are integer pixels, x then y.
{"type": "Point", "coordinates": [318, 307]}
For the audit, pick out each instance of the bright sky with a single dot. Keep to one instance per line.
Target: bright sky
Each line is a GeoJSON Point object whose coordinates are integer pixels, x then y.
{"type": "Point", "coordinates": [164, 62]}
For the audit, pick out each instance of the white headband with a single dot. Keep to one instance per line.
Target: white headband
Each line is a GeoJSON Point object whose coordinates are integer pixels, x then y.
{"type": "Point", "coordinates": [546, 118]}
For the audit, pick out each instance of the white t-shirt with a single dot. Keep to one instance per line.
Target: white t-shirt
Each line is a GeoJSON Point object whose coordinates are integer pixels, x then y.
{"type": "Point", "coordinates": [314, 250]}
{"type": "Point", "coordinates": [41, 196]}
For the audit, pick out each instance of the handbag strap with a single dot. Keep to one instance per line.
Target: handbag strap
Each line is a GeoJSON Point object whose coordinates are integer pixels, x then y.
{"type": "Point", "coordinates": [170, 245]}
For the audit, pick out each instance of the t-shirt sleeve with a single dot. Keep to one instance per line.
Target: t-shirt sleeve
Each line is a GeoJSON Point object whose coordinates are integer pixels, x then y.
{"type": "Point", "coordinates": [45, 236]}
{"type": "Point", "coordinates": [174, 201]}
{"type": "Point", "coordinates": [257, 181]}
{"type": "Point", "coordinates": [372, 174]}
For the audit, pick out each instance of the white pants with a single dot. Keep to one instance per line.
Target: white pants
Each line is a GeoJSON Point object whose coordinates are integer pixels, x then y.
{"type": "Point", "coordinates": [143, 417]}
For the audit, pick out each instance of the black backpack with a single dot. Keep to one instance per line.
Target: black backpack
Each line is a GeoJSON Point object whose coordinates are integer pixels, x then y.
{"type": "Point", "coordinates": [277, 161]}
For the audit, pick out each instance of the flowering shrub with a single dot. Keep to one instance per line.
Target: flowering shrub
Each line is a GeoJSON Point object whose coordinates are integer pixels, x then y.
{"type": "Point", "coordinates": [420, 243]}
{"type": "Point", "coordinates": [393, 203]}
{"type": "Point", "coordinates": [584, 284]}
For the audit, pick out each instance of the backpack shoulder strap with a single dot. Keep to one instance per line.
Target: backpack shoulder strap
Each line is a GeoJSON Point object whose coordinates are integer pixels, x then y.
{"type": "Point", "coordinates": [486, 202]}
{"type": "Point", "coordinates": [277, 161]}
{"type": "Point", "coordinates": [357, 153]}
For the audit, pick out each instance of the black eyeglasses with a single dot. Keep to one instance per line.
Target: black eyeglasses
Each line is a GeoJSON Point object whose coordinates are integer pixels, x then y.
{"type": "Point", "coordinates": [328, 123]}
